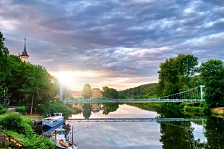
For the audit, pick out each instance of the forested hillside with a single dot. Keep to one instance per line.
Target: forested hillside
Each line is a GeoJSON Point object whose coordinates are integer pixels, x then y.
{"type": "Point", "coordinates": [142, 91]}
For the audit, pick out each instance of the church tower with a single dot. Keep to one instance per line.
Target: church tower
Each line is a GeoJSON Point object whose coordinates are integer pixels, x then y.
{"type": "Point", "coordinates": [24, 56]}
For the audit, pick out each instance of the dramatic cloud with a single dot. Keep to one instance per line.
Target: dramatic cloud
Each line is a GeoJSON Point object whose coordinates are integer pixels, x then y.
{"type": "Point", "coordinates": [119, 43]}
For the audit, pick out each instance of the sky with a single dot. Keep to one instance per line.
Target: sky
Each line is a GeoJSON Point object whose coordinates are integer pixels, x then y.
{"type": "Point", "coordinates": [114, 43]}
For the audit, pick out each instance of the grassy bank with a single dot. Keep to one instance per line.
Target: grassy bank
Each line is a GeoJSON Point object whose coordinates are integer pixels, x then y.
{"type": "Point", "coordinates": [19, 129]}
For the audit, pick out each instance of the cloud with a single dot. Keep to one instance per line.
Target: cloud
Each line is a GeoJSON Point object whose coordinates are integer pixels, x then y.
{"type": "Point", "coordinates": [127, 40]}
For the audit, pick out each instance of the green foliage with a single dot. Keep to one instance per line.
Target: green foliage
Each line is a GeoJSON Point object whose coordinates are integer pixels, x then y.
{"type": "Point", "coordinates": [206, 109]}
{"type": "Point", "coordinates": [2, 109]}
{"type": "Point", "coordinates": [17, 123]}
{"type": "Point", "coordinates": [110, 92]}
{"type": "Point", "coordinates": [212, 72]}
{"type": "Point", "coordinates": [33, 141]}
{"type": "Point", "coordinates": [202, 104]}
{"type": "Point", "coordinates": [175, 74]}
{"type": "Point", "coordinates": [121, 95]}
{"type": "Point", "coordinates": [56, 107]}
{"type": "Point", "coordinates": [182, 105]}
{"type": "Point", "coordinates": [193, 109]}
{"type": "Point", "coordinates": [24, 83]}
{"type": "Point", "coordinates": [142, 91]}
{"type": "Point", "coordinates": [37, 142]}
{"type": "Point", "coordinates": [21, 109]}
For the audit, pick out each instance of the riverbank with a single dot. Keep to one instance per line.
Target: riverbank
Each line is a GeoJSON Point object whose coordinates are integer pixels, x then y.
{"type": "Point", "coordinates": [218, 112]}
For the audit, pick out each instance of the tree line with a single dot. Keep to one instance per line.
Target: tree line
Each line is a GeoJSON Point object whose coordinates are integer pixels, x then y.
{"type": "Point", "coordinates": [24, 83]}
{"type": "Point", "coordinates": [183, 72]}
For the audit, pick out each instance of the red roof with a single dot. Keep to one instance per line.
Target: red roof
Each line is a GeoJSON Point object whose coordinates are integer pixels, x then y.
{"type": "Point", "coordinates": [57, 96]}
{"type": "Point", "coordinates": [77, 94]}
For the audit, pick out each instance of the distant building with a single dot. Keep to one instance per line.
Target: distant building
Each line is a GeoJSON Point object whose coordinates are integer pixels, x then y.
{"type": "Point", "coordinates": [77, 94]}
{"type": "Point", "coordinates": [24, 56]}
{"type": "Point", "coordinates": [96, 93]}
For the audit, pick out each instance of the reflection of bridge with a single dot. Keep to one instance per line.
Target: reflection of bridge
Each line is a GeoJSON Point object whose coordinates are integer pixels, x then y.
{"type": "Point", "coordinates": [129, 100]}
{"type": "Point", "coordinates": [136, 119]}
{"type": "Point", "coordinates": [191, 95]}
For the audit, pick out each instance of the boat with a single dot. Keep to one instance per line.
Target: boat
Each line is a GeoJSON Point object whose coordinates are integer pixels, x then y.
{"type": "Point", "coordinates": [60, 140]}
{"type": "Point", "coordinates": [54, 121]}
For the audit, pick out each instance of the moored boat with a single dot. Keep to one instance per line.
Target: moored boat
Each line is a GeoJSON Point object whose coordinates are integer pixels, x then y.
{"type": "Point", "coordinates": [54, 121]}
{"type": "Point", "coordinates": [61, 142]}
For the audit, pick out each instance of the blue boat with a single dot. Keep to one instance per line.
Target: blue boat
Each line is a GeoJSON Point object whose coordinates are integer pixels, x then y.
{"type": "Point", "coordinates": [54, 121]}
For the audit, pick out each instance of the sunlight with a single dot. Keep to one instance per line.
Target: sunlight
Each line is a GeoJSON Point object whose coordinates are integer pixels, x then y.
{"type": "Point", "coordinates": [66, 79]}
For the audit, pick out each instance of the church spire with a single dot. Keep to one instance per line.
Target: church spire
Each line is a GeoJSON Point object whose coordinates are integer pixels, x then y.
{"type": "Point", "coordinates": [24, 53]}
{"type": "Point", "coordinates": [25, 43]}
{"type": "Point", "coordinates": [24, 56]}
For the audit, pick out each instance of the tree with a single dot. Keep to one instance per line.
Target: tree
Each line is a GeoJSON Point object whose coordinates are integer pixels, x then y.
{"type": "Point", "coordinates": [87, 91]}
{"type": "Point", "coordinates": [211, 73]}
{"type": "Point", "coordinates": [175, 74]}
{"type": "Point", "coordinates": [3, 64]}
{"type": "Point", "coordinates": [86, 110]}
{"type": "Point", "coordinates": [143, 91]}
{"type": "Point", "coordinates": [36, 85]}
{"type": "Point", "coordinates": [110, 92]}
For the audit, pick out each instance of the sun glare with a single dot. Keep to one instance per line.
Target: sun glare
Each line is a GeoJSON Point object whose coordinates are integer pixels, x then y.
{"type": "Point", "coordinates": [65, 78]}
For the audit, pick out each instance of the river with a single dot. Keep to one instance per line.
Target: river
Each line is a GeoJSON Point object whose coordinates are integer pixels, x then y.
{"type": "Point", "coordinates": [142, 135]}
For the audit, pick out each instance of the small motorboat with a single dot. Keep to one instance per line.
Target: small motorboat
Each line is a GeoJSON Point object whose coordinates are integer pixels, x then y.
{"type": "Point", "coordinates": [61, 142]}
{"type": "Point", "coordinates": [54, 121]}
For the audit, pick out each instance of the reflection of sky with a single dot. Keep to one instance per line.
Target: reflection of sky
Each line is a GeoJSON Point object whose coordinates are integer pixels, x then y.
{"type": "Point", "coordinates": [199, 132]}
{"type": "Point", "coordinates": [124, 111]}
{"type": "Point", "coordinates": [121, 135]}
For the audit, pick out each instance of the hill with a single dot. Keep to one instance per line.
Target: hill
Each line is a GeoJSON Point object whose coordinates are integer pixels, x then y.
{"type": "Point", "coordinates": [142, 91]}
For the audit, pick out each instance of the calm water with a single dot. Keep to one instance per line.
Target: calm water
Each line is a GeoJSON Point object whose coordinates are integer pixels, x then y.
{"type": "Point", "coordinates": [141, 135]}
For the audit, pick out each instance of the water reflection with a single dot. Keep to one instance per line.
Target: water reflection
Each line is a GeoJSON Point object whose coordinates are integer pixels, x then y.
{"type": "Point", "coordinates": [208, 134]}
{"type": "Point", "coordinates": [87, 108]}
{"type": "Point", "coordinates": [214, 133]}
{"type": "Point", "coordinates": [177, 135]}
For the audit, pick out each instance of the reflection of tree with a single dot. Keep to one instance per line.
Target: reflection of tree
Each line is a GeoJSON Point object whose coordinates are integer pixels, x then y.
{"type": "Point", "coordinates": [174, 137]}
{"type": "Point", "coordinates": [109, 107]}
{"type": "Point", "coordinates": [86, 110]}
{"type": "Point", "coordinates": [214, 133]}
{"type": "Point", "coordinates": [170, 110]}
{"type": "Point", "coordinates": [87, 91]}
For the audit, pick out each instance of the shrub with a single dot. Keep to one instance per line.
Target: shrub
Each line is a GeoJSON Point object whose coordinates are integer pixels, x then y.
{"type": "Point", "coordinates": [196, 104]}
{"type": "Point", "coordinates": [2, 109]}
{"type": "Point", "coordinates": [206, 109]}
{"type": "Point", "coordinates": [190, 104]}
{"type": "Point", "coordinates": [17, 123]}
{"type": "Point", "coordinates": [202, 104]}
{"type": "Point", "coordinates": [181, 106]}
{"type": "Point", "coordinates": [187, 108]}
{"type": "Point", "coordinates": [21, 109]}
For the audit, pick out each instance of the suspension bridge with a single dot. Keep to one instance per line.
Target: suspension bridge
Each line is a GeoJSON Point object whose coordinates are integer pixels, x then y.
{"type": "Point", "coordinates": [190, 95]}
